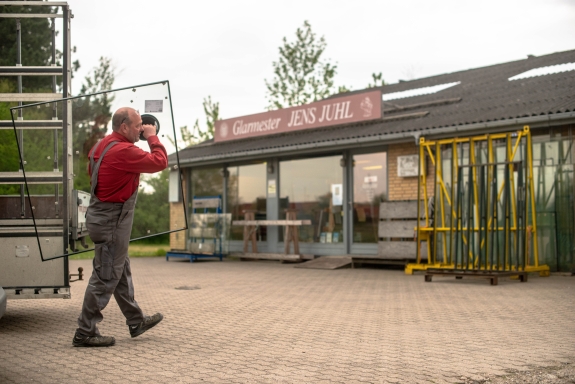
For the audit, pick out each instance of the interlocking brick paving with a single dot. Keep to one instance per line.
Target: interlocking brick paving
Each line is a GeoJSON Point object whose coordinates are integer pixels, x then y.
{"type": "Point", "coordinates": [269, 322]}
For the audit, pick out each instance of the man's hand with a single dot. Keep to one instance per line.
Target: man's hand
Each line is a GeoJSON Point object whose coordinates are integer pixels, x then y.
{"type": "Point", "coordinates": [149, 130]}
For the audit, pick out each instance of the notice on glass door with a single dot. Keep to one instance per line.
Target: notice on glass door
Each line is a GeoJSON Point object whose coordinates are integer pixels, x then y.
{"type": "Point", "coordinates": [271, 187]}
{"type": "Point", "coordinates": [337, 194]}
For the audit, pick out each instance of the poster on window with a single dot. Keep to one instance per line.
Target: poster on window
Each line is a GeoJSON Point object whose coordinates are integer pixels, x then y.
{"type": "Point", "coordinates": [337, 194]}
{"type": "Point", "coordinates": [271, 187]}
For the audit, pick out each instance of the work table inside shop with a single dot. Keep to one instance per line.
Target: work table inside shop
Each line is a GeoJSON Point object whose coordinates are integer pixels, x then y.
{"type": "Point", "coordinates": [291, 235]}
{"type": "Point", "coordinates": [271, 222]}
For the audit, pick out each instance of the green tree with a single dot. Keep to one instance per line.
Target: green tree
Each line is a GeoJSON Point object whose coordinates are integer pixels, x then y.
{"type": "Point", "coordinates": [377, 79]}
{"type": "Point", "coordinates": [302, 75]}
{"type": "Point", "coordinates": [36, 50]}
{"type": "Point", "coordinates": [343, 89]}
{"type": "Point", "coordinates": [36, 46]}
{"type": "Point", "coordinates": [8, 148]}
{"type": "Point", "coordinates": [198, 135]}
{"type": "Point", "coordinates": [91, 115]}
{"type": "Point", "coordinates": [152, 213]}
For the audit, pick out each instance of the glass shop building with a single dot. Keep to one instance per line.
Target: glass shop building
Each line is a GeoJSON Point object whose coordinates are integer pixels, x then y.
{"type": "Point", "coordinates": [335, 161]}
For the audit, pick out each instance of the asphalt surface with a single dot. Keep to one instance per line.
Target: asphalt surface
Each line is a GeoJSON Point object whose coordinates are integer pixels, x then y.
{"type": "Point", "coordinates": [263, 321]}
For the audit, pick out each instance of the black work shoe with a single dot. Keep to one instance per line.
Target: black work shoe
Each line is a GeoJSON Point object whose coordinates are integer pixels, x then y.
{"type": "Point", "coordinates": [92, 341]}
{"type": "Point", "coordinates": [149, 322]}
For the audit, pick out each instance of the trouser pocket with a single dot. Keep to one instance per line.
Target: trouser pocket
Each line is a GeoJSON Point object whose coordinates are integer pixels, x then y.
{"type": "Point", "coordinates": [106, 261]}
{"type": "Point", "coordinates": [126, 214]}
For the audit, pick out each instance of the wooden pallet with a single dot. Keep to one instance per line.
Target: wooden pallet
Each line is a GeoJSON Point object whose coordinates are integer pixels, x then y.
{"type": "Point", "coordinates": [460, 273]}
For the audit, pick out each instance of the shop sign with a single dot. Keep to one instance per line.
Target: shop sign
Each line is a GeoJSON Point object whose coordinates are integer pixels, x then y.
{"type": "Point", "coordinates": [407, 166]}
{"type": "Point", "coordinates": [354, 108]}
{"type": "Point", "coordinates": [370, 179]}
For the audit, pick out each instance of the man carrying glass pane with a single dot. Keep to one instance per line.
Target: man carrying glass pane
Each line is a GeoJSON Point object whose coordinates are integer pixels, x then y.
{"type": "Point", "coordinates": [115, 167]}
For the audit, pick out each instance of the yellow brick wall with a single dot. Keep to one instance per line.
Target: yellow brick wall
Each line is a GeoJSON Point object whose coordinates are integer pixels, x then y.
{"type": "Point", "coordinates": [177, 220]}
{"type": "Point", "coordinates": [405, 188]}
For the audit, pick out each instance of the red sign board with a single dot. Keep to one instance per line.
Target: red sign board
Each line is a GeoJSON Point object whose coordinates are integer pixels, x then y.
{"type": "Point", "coordinates": [337, 111]}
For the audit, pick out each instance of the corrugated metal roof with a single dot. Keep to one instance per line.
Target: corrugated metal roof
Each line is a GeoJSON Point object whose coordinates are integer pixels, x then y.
{"type": "Point", "coordinates": [482, 95]}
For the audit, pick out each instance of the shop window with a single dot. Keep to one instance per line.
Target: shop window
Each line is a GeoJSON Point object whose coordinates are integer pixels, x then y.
{"type": "Point", "coordinates": [314, 189]}
{"type": "Point", "coordinates": [247, 192]}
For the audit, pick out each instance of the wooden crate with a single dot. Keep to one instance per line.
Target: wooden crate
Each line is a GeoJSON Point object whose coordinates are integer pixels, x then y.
{"type": "Point", "coordinates": [397, 229]}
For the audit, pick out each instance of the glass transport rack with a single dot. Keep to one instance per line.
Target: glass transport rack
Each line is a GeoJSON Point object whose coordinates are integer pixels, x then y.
{"type": "Point", "coordinates": [209, 230]}
{"type": "Point", "coordinates": [480, 216]}
{"type": "Point", "coordinates": [23, 275]}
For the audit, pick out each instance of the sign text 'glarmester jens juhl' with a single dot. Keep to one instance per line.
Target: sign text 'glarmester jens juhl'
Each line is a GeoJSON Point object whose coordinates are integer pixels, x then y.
{"type": "Point", "coordinates": [337, 111]}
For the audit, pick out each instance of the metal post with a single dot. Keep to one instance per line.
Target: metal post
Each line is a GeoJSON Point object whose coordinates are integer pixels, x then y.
{"type": "Point", "coordinates": [469, 188]}
{"type": "Point", "coordinates": [458, 221]}
{"type": "Point", "coordinates": [55, 117]}
{"type": "Point", "coordinates": [525, 208]}
{"type": "Point", "coordinates": [436, 191]}
{"type": "Point", "coordinates": [495, 231]}
{"type": "Point", "coordinates": [348, 198]}
{"type": "Point", "coordinates": [20, 132]}
{"type": "Point", "coordinates": [513, 199]}
{"type": "Point", "coordinates": [442, 198]}
{"type": "Point", "coordinates": [518, 222]}
{"type": "Point", "coordinates": [454, 180]}
{"type": "Point", "coordinates": [419, 171]}
{"type": "Point", "coordinates": [481, 217]}
{"type": "Point", "coordinates": [489, 220]}
{"type": "Point", "coordinates": [506, 224]}
{"type": "Point", "coordinates": [67, 171]}
{"type": "Point", "coordinates": [474, 200]}
{"type": "Point", "coordinates": [532, 193]}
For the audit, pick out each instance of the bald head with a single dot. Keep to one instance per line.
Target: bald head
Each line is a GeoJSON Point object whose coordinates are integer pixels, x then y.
{"type": "Point", "coordinates": [122, 115]}
{"type": "Point", "coordinates": [128, 123]}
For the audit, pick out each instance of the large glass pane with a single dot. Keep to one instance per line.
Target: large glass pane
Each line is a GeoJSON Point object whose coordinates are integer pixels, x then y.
{"type": "Point", "coordinates": [42, 139]}
{"type": "Point", "coordinates": [247, 192]}
{"type": "Point", "coordinates": [554, 193]}
{"type": "Point", "coordinates": [369, 190]}
{"type": "Point", "coordinates": [314, 189]}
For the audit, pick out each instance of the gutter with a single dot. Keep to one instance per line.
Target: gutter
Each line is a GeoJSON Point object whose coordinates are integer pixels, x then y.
{"type": "Point", "coordinates": [391, 138]}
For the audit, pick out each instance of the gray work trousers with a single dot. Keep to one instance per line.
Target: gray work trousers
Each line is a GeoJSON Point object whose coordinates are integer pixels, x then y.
{"type": "Point", "coordinates": [109, 226]}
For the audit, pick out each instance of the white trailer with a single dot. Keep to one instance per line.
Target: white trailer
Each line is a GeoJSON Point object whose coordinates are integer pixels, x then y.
{"type": "Point", "coordinates": [24, 272]}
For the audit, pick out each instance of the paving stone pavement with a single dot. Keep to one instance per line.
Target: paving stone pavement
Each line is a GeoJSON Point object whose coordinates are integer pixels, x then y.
{"type": "Point", "coordinates": [268, 322]}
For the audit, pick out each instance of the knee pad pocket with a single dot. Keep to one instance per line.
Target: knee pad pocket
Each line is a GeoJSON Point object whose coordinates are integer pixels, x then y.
{"type": "Point", "coordinates": [106, 261]}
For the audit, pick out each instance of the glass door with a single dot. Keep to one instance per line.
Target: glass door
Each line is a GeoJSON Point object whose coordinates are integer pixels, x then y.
{"type": "Point", "coordinates": [369, 190]}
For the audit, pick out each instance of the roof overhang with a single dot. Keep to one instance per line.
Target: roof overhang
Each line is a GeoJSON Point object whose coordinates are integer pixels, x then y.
{"type": "Point", "coordinates": [534, 122]}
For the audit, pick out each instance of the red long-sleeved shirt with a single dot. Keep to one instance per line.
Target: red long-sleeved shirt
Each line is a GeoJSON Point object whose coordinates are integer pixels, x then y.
{"type": "Point", "coordinates": [119, 174]}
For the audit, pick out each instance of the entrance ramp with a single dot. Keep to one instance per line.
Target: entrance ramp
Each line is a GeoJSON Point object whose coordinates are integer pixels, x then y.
{"type": "Point", "coordinates": [327, 262]}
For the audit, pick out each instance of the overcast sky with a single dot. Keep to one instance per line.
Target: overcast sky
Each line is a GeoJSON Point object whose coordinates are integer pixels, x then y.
{"type": "Point", "coordinates": [226, 48]}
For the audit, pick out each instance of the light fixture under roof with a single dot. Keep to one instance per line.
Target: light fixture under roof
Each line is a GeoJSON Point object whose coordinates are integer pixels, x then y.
{"type": "Point", "coordinates": [542, 71]}
{"type": "Point", "coordinates": [418, 91]}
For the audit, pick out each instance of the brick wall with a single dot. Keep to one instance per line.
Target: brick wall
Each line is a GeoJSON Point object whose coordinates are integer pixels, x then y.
{"type": "Point", "coordinates": [177, 220]}
{"type": "Point", "coordinates": [405, 188]}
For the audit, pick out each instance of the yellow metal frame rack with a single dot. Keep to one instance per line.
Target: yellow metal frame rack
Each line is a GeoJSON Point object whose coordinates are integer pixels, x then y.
{"type": "Point", "coordinates": [486, 195]}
